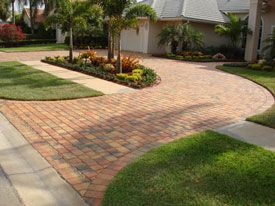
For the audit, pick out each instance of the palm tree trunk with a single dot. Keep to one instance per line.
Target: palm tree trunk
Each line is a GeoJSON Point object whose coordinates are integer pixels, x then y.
{"type": "Point", "coordinates": [110, 44]}
{"type": "Point", "coordinates": [71, 45]}
{"type": "Point", "coordinates": [31, 19]}
{"type": "Point", "coordinates": [118, 61]}
{"type": "Point", "coordinates": [13, 12]}
{"type": "Point", "coordinates": [113, 47]}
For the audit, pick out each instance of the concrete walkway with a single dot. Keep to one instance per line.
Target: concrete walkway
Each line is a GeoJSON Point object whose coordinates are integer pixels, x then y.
{"type": "Point", "coordinates": [251, 133]}
{"type": "Point", "coordinates": [103, 86]}
{"type": "Point", "coordinates": [25, 177]}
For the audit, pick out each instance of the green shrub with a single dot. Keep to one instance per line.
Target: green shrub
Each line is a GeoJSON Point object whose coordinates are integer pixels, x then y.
{"type": "Point", "coordinates": [138, 71]}
{"type": "Point", "coordinates": [255, 66]}
{"type": "Point", "coordinates": [267, 68]}
{"type": "Point", "coordinates": [239, 64]}
{"type": "Point", "coordinates": [122, 76]}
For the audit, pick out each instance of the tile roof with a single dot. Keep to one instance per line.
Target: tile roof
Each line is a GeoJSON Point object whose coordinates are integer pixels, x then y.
{"type": "Point", "coordinates": [202, 10]}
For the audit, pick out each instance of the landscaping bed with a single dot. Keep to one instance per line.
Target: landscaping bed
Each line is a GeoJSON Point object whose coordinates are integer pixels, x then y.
{"type": "Point", "coordinates": [204, 169]}
{"type": "Point", "coordinates": [264, 76]}
{"type": "Point", "coordinates": [21, 82]}
{"type": "Point", "coordinates": [134, 75]}
{"type": "Point", "coordinates": [197, 57]}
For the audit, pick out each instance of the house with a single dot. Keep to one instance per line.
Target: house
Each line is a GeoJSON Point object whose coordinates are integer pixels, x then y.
{"type": "Point", "coordinates": [203, 16]}
{"type": "Point", "coordinates": [39, 17]}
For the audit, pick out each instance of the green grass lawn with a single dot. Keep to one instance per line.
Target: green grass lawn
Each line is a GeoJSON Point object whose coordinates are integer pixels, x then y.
{"type": "Point", "coordinates": [264, 78]}
{"type": "Point", "coordinates": [21, 82]}
{"type": "Point", "coordinates": [36, 47]}
{"type": "Point", "coordinates": [205, 169]}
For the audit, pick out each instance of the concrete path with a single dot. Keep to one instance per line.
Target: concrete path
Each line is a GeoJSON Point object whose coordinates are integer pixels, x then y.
{"type": "Point", "coordinates": [26, 178]}
{"type": "Point", "coordinates": [104, 86]}
{"type": "Point", "coordinates": [251, 133]}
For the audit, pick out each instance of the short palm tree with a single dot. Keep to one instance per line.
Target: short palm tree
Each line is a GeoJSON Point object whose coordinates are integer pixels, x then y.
{"type": "Point", "coordinates": [184, 34]}
{"type": "Point", "coordinates": [269, 46]}
{"type": "Point", "coordinates": [72, 15]}
{"type": "Point", "coordinates": [170, 35]}
{"type": "Point", "coordinates": [124, 14]}
{"type": "Point", "coordinates": [235, 29]}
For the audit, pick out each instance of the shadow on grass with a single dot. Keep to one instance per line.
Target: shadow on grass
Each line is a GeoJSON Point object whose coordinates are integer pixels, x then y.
{"type": "Point", "coordinates": [208, 169]}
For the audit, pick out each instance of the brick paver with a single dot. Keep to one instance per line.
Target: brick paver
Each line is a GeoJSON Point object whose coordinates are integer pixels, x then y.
{"type": "Point", "coordinates": [89, 140]}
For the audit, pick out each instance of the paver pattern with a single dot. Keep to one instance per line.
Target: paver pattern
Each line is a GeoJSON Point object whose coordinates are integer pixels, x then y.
{"type": "Point", "coordinates": [89, 140]}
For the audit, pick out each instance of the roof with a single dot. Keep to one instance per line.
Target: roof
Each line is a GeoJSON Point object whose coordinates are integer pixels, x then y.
{"type": "Point", "coordinates": [40, 17]}
{"type": "Point", "coordinates": [200, 10]}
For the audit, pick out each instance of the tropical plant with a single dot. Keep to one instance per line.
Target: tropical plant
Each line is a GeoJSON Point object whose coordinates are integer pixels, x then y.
{"type": "Point", "coordinates": [123, 14]}
{"type": "Point", "coordinates": [75, 15]}
{"type": "Point", "coordinates": [184, 34]}
{"type": "Point", "coordinates": [235, 29]}
{"type": "Point", "coordinates": [269, 46]}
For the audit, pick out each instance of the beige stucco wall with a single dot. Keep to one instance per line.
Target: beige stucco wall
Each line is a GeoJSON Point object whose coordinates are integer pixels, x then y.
{"type": "Point", "coordinates": [269, 20]}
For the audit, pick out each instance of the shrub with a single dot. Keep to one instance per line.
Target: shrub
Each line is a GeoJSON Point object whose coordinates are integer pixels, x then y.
{"type": "Point", "coordinates": [267, 68]}
{"type": "Point", "coordinates": [11, 33]}
{"type": "Point", "coordinates": [255, 66]}
{"type": "Point", "coordinates": [122, 76]}
{"type": "Point", "coordinates": [138, 71]}
{"type": "Point", "coordinates": [98, 61]}
{"type": "Point", "coordinates": [219, 56]}
{"type": "Point", "coordinates": [109, 68]}
{"type": "Point", "coordinates": [129, 64]}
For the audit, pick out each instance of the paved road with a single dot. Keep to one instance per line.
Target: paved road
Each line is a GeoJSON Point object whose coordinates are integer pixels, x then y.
{"type": "Point", "coordinates": [89, 140]}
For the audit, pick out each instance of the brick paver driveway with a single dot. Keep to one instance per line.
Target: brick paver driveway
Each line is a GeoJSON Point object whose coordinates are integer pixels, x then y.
{"type": "Point", "coordinates": [89, 140]}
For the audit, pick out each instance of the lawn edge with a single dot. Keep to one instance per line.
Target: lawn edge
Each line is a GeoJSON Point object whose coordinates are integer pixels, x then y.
{"type": "Point", "coordinates": [258, 83]}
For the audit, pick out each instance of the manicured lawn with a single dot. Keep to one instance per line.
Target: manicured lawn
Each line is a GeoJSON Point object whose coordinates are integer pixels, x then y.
{"type": "Point", "coordinates": [21, 82]}
{"type": "Point", "coordinates": [36, 47]}
{"type": "Point", "coordinates": [205, 169]}
{"type": "Point", "coordinates": [264, 78]}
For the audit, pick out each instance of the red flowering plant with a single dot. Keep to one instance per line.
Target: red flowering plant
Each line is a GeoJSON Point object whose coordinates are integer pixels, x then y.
{"type": "Point", "coordinates": [11, 33]}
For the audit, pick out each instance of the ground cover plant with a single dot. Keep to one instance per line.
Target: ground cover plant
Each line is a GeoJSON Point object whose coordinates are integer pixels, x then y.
{"type": "Point", "coordinates": [204, 169]}
{"type": "Point", "coordinates": [133, 74]}
{"type": "Point", "coordinates": [21, 82]}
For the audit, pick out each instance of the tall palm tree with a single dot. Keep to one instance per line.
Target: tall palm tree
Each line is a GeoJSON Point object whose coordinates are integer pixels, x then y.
{"type": "Point", "coordinates": [124, 14]}
{"type": "Point", "coordinates": [235, 29]}
{"type": "Point", "coordinates": [70, 15]}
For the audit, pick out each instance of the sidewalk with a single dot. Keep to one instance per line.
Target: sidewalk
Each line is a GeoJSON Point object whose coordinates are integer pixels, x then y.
{"type": "Point", "coordinates": [26, 178]}
{"type": "Point", "coordinates": [251, 133]}
{"type": "Point", "coordinates": [97, 84]}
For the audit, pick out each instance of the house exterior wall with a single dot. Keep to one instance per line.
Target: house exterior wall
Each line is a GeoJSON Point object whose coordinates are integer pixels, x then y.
{"type": "Point", "coordinates": [269, 20]}
{"type": "Point", "coordinates": [146, 40]}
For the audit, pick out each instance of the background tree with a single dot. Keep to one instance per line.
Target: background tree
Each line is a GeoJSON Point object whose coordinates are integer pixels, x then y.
{"type": "Point", "coordinates": [4, 9]}
{"type": "Point", "coordinates": [235, 29]}
{"type": "Point", "coordinates": [170, 35]}
{"type": "Point", "coordinates": [75, 15]}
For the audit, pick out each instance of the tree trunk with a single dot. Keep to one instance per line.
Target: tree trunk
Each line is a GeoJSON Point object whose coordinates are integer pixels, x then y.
{"type": "Point", "coordinates": [110, 44]}
{"type": "Point", "coordinates": [118, 61]}
{"type": "Point", "coordinates": [113, 47]}
{"type": "Point", "coordinates": [13, 12]}
{"type": "Point", "coordinates": [31, 19]}
{"type": "Point", "coordinates": [71, 45]}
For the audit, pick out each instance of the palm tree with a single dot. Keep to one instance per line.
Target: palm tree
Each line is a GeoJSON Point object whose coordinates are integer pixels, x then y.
{"type": "Point", "coordinates": [170, 35]}
{"type": "Point", "coordinates": [184, 34]}
{"type": "Point", "coordinates": [270, 46]}
{"type": "Point", "coordinates": [70, 15]}
{"type": "Point", "coordinates": [123, 14]}
{"type": "Point", "coordinates": [4, 9]}
{"type": "Point", "coordinates": [235, 29]}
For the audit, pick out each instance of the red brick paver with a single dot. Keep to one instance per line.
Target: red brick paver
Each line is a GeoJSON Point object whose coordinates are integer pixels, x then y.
{"type": "Point", "coordinates": [89, 140]}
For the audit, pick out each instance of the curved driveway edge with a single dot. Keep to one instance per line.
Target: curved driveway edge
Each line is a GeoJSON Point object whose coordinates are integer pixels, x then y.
{"type": "Point", "coordinates": [89, 140]}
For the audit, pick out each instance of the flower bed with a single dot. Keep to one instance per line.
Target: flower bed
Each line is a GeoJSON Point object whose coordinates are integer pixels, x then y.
{"type": "Point", "coordinates": [196, 57]}
{"type": "Point", "coordinates": [135, 75]}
